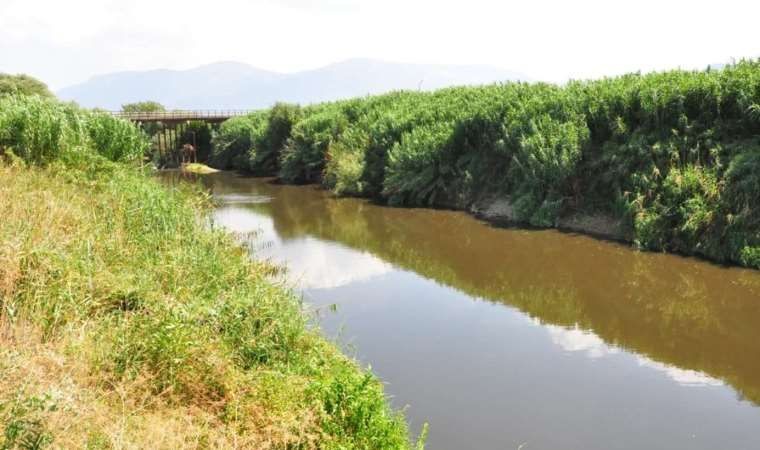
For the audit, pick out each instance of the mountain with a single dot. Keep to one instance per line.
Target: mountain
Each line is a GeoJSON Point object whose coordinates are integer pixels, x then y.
{"type": "Point", "coordinates": [231, 85]}
{"type": "Point", "coordinates": [173, 88]}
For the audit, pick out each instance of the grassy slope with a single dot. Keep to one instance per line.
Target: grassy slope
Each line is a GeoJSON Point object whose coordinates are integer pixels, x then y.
{"type": "Point", "coordinates": [126, 323]}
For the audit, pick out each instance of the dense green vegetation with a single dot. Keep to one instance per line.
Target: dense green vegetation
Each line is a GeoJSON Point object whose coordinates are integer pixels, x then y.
{"type": "Point", "coordinates": [126, 322]}
{"type": "Point", "coordinates": [144, 106]}
{"type": "Point", "coordinates": [22, 85]}
{"type": "Point", "coordinates": [674, 155]}
{"type": "Point", "coordinates": [41, 130]}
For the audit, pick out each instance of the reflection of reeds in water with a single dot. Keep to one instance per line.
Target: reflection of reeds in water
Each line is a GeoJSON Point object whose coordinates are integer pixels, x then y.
{"type": "Point", "coordinates": [674, 310]}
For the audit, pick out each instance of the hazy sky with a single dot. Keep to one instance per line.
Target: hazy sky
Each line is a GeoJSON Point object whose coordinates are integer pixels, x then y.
{"type": "Point", "coordinates": [64, 42]}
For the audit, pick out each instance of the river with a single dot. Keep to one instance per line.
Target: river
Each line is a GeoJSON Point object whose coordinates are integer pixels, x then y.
{"type": "Point", "coordinates": [502, 338]}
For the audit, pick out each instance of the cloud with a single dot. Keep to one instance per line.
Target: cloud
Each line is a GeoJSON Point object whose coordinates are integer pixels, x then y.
{"type": "Point", "coordinates": [311, 263]}
{"type": "Point", "coordinates": [683, 377]}
{"type": "Point", "coordinates": [314, 264]}
{"type": "Point", "coordinates": [583, 341]}
{"type": "Point", "coordinates": [577, 340]}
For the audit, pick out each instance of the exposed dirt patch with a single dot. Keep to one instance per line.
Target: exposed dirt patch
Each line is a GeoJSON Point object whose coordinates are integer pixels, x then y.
{"type": "Point", "coordinates": [596, 225]}
{"type": "Point", "coordinates": [494, 209]}
{"type": "Point", "coordinates": [501, 210]}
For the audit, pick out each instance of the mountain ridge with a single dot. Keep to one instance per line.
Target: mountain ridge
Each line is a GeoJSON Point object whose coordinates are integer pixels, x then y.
{"type": "Point", "coordinates": [235, 85]}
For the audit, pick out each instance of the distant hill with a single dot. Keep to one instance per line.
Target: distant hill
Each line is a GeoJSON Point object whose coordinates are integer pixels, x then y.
{"type": "Point", "coordinates": [231, 85]}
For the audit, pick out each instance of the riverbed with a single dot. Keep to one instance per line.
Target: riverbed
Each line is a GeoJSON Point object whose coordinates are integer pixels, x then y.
{"type": "Point", "coordinates": [508, 338]}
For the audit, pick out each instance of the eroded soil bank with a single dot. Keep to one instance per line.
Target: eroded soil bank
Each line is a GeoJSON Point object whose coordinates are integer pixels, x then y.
{"type": "Point", "coordinates": [501, 211]}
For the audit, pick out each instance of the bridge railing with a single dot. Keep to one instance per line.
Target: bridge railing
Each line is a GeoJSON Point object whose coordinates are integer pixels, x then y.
{"type": "Point", "coordinates": [204, 114]}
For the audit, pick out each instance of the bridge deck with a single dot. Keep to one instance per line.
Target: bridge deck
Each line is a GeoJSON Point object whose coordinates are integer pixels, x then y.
{"type": "Point", "coordinates": [182, 116]}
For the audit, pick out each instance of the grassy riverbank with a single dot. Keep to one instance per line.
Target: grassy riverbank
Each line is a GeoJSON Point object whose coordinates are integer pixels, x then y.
{"type": "Point", "coordinates": [672, 159]}
{"type": "Point", "coordinates": [126, 323]}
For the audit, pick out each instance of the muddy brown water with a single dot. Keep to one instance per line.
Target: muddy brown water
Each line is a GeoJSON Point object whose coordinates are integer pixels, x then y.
{"type": "Point", "coordinates": [505, 338]}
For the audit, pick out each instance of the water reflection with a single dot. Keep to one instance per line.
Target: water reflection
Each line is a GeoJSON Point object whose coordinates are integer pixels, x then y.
{"type": "Point", "coordinates": [677, 310]}
{"type": "Point", "coordinates": [599, 325]}
{"type": "Point", "coordinates": [309, 263]}
{"type": "Point", "coordinates": [577, 340]}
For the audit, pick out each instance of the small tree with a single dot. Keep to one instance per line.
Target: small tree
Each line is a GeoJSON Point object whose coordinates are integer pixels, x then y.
{"type": "Point", "coordinates": [23, 85]}
{"type": "Point", "coordinates": [146, 106]}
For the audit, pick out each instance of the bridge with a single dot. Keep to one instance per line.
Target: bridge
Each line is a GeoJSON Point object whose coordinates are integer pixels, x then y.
{"type": "Point", "coordinates": [211, 116]}
{"type": "Point", "coordinates": [170, 128]}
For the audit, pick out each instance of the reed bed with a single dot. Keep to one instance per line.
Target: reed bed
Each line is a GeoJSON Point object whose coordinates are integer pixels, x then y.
{"type": "Point", "coordinates": [671, 156]}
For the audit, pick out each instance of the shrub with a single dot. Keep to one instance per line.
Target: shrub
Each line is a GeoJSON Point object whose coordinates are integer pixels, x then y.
{"type": "Point", "coordinates": [265, 154]}
{"type": "Point", "coordinates": [546, 158]}
{"type": "Point", "coordinates": [38, 130]}
{"type": "Point", "coordinates": [414, 174]}
{"type": "Point", "coordinates": [303, 158]}
{"type": "Point", "coordinates": [41, 130]}
{"type": "Point", "coordinates": [116, 139]}
{"type": "Point", "coordinates": [23, 85]}
{"type": "Point", "coordinates": [669, 154]}
{"type": "Point", "coordinates": [233, 141]}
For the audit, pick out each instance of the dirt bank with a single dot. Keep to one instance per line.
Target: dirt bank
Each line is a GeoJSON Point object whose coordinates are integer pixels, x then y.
{"type": "Point", "coordinates": [500, 210]}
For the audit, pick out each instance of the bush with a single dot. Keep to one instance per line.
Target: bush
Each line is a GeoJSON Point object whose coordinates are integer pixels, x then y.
{"type": "Point", "coordinates": [235, 138]}
{"type": "Point", "coordinates": [41, 130]}
{"type": "Point", "coordinates": [266, 152]}
{"type": "Point", "coordinates": [345, 166]}
{"type": "Point", "coordinates": [303, 158]}
{"type": "Point", "coordinates": [543, 164]}
{"type": "Point", "coordinates": [415, 173]}
{"type": "Point", "coordinates": [681, 214]}
{"type": "Point", "coordinates": [116, 139]}
{"type": "Point", "coordinates": [669, 154]}
{"type": "Point", "coordinates": [23, 85]}
{"type": "Point", "coordinates": [38, 130]}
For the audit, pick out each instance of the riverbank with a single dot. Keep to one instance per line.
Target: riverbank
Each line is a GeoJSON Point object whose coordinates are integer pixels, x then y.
{"type": "Point", "coordinates": [668, 161]}
{"type": "Point", "coordinates": [127, 323]}
{"type": "Point", "coordinates": [500, 211]}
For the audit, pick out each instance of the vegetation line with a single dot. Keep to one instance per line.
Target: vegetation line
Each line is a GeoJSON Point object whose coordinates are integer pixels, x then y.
{"type": "Point", "coordinates": [672, 159]}
{"type": "Point", "coordinates": [126, 323]}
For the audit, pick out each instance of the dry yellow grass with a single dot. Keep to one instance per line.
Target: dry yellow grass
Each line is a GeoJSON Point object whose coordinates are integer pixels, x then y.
{"type": "Point", "coordinates": [124, 324]}
{"type": "Point", "coordinates": [123, 415]}
{"type": "Point", "coordinates": [44, 220]}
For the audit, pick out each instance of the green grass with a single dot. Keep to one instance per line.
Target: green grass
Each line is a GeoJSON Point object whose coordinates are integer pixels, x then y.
{"type": "Point", "coordinates": [40, 130]}
{"type": "Point", "coordinates": [672, 155]}
{"type": "Point", "coordinates": [138, 326]}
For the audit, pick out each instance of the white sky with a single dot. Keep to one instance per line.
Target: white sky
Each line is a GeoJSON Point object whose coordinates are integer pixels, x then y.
{"type": "Point", "coordinates": [65, 42]}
